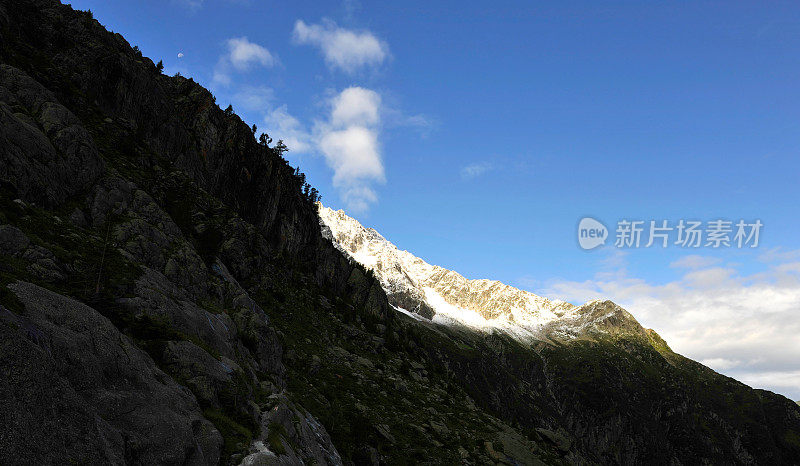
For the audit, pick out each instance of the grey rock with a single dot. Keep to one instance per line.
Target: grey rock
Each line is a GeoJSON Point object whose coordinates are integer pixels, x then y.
{"type": "Point", "coordinates": [112, 196]}
{"type": "Point", "coordinates": [384, 431]}
{"type": "Point", "coordinates": [369, 455]}
{"type": "Point", "coordinates": [559, 439]}
{"type": "Point", "coordinates": [45, 152]}
{"type": "Point", "coordinates": [42, 263]}
{"type": "Point", "coordinates": [302, 437]}
{"type": "Point", "coordinates": [440, 429]}
{"type": "Point", "coordinates": [150, 235]}
{"type": "Point", "coordinates": [12, 240]}
{"type": "Point", "coordinates": [254, 330]}
{"type": "Point", "coordinates": [144, 243]}
{"type": "Point", "coordinates": [139, 414]}
{"type": "Point", "coordinates": [187, 270]}
{"type": "Point", "coordinates": [159, 299]}
{"type": "Point", "coordinates": [45, 420]}
{"type": "Point", "coordinates": [201, 372]}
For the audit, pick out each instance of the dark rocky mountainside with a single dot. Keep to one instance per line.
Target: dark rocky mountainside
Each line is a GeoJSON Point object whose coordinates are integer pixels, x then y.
{"type": "Point", "coordinates": [166, 297]}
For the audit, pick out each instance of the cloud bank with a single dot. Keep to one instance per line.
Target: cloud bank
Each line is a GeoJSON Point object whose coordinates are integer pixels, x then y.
{"type": "Point", "coordinates": [743, 325]}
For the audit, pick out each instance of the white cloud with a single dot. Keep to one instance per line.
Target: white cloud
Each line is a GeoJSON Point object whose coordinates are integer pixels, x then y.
{"type": "Point", "coordinates": [288, 128]}
{"type": "Point", "coordinates": [349, 142]}
{"type": "Point", "coordinates": [359, 198]}
{"type": "Point", "coordinates": [350, 7]}
{"type": "Point", "coordinates": [342, 48]}
{"type": "Point", "coordinates": [353, 155]}
{"type": "Point", "coordinates": [782, 382]}
{"type": "Point", "coordinates": [393, 117]}
{"type": "Point", "coordinates": [355, 106]}
{"type": "Point", "coordinates": [422, 122]}
{"type": "Point", "coordinates": [709, 278]}
{"type": "Point", "coordinates": [244, 53]}
{"type": "Point", "coordinates": [475, 170]}
{"type": "Point", "coordinates": [779, 254]}
{"type": "Point", "coordinates": [347, 137]}
{"type": "Point", "coordinates": [694, 261]}
{"type": "Point", "coordinates": [720, 364]}
{"type": "Point", "coordinates": [743, 325]}
{"type": "Point", "coordinates": [221, 74]}
{"type": "Point", "coordinates": [253, 97]}
{"type": "Point", "coordinates": [241, 56]}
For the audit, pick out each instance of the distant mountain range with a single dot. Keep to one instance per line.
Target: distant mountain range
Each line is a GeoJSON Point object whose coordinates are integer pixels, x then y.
{"type": "Point", "coordinates": [443, 296]}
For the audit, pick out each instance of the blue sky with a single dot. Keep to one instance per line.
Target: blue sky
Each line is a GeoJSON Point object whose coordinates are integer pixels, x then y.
{"type": "Point", "coordinates": [477, 136]}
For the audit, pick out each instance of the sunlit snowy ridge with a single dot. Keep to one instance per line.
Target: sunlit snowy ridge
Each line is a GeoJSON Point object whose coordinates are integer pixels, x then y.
{"type": "Point", "coordinates": [443, 296]}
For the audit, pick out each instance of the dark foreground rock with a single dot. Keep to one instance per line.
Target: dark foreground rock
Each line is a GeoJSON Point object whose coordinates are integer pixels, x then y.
{"type": "Point", "coordinates": [75, 389]}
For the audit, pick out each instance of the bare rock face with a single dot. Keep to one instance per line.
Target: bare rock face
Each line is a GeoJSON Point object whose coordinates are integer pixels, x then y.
{"type": "Point", "coordinates": [42, 410]}
{"type": "Point", "coordinates": [46, 155]}
{"type": "Point", "coordinates": [164, 214]}
{"type": "Point", "coordinates": [117, 405]}
{"type": "Point", "coordinates": [290, 435]}
{"type": "Point", "coordinates": [207, 377]}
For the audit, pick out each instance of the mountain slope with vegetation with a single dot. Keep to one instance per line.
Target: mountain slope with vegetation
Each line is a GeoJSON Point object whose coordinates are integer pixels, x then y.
{"type": "Point", "coordinates": [167, 297]}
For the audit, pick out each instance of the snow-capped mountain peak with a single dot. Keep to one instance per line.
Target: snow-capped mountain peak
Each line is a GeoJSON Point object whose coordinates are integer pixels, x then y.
{"type": "Point", "coordinates": [431, 292]}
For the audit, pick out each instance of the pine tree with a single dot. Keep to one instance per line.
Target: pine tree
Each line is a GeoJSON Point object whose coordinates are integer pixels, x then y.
{"type": "Point", "coordinates": [280, 147]}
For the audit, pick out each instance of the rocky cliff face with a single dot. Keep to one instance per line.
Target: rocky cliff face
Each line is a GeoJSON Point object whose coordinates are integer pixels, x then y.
{"type": "Point", "coordinates": [167, 297]}
{"type": "Point", "coordinates": [130, 192]}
